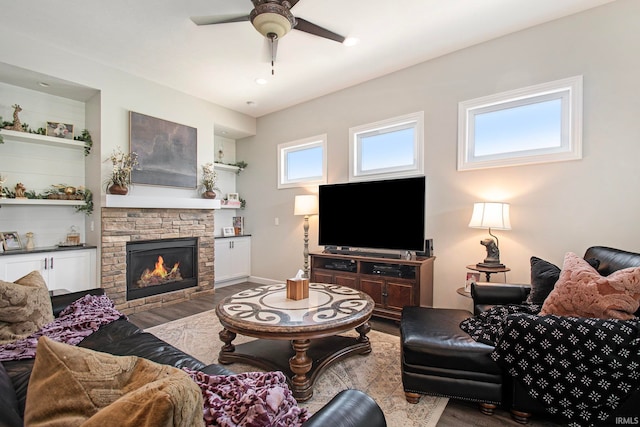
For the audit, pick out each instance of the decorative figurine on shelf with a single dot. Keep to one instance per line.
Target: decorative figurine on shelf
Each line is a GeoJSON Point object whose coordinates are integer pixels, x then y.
{"type": "Point", "coordinates": [17, 125]}
{"type": "Point", "coordinates": [20, 191]}
{"type": "Point", "coordinates": [30, 245]}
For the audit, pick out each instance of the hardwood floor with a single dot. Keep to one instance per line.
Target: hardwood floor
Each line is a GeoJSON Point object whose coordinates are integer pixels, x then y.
{"type": "Point", "coordinates": [457, 414]}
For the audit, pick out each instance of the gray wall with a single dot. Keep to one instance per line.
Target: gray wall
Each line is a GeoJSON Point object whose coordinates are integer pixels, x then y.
{"type": "Point", "coordinates": [555, 207]}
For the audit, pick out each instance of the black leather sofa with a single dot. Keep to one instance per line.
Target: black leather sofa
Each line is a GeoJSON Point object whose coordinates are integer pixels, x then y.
{"type": "Point", "coordinates": [521, 405]}
{"type": "Point", "coordinates": [350, 408]}
{"type": "Point", "coordinates": [439, 358]}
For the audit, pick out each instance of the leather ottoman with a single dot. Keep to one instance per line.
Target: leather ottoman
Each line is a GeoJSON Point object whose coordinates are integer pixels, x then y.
{"type": "Point", "coordinates": [439, 358]}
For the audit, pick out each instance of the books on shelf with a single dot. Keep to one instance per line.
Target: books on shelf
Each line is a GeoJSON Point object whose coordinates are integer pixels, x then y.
{"type": "Point", "coordinates": [238, 225]}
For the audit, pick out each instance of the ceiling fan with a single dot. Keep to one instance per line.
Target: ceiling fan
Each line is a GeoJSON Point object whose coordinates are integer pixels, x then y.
{"type": "Point", "coordinates": [273, 19]}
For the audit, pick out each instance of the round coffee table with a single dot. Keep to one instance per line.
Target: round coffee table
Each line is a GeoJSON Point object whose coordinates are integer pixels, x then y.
{"type": "Point", "coordinates": [298, 337]}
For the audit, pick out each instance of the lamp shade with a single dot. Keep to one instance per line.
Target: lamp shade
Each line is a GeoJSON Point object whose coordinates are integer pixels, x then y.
{"type": "Point", "coordinates": [306, 205]}
{"type": "Point", "coordinates": [490, 215]}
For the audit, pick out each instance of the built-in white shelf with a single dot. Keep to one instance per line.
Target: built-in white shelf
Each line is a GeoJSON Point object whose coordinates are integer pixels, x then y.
{"type": "Point", "coordinates": [48, 202]}
{"type": "Point", "coordinates": [222, 166]}
{"type": "Point", "coordinates": [115, 201]}
{"type": "Point", "coordinates": [35, 138]}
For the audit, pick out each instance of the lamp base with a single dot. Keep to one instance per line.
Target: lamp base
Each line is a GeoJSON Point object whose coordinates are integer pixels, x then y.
{"type": "Point", "coordinates": [489, 265]}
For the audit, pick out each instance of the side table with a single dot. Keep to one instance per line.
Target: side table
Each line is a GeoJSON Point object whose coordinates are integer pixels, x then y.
{"type": "Point", "coordinates": [488, 271]}
{"type": "Point", "coordinates": [464, 293]}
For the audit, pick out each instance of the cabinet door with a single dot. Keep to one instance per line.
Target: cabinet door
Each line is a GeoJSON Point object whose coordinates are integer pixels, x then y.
{"type": "Point", "coordinates": [72, 270]}
{"type": "Point", "coordinates": [374, 288]}
{"type": "Point", "coordinates": [348, 281]}
{"type": "Point", "coordinates": [13, 267]}
{"type": "Point", "coordinates": [399, 294]}
{"type": "Point", "coordinates": [319, 277]}
{"type": "Point", "coordinates": [232, 259]}
{"type": "Point", "coordinates": [222, 263]}
{"type": "Point", "coordinates": [241, 257]}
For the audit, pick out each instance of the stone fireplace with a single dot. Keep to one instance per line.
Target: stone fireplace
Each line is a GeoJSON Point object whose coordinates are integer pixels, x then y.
{"type": "Point", "coordinates": [144, 228]}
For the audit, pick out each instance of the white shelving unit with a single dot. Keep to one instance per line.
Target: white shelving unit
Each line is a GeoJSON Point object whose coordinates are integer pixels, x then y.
{"type": "Point", "coordinates": [44, 202]}
{"type": "Point", "coordinates": [35, 138]}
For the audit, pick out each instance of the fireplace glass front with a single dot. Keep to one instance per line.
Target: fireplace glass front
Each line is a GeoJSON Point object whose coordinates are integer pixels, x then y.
{"type": "Point", "coordinates": [159, 266]}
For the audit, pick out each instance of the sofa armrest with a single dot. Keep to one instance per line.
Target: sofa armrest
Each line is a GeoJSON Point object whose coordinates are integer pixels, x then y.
{"type": "Point", "coordinates": [488, 295]}
{"type": "Point", "coordinates": [349, 408]}
{"type": "Point", "coordinates": [59, 302]}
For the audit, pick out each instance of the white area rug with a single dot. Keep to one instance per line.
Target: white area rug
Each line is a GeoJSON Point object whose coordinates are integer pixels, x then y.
{"type": "Point", "coordinates": [377, 374]}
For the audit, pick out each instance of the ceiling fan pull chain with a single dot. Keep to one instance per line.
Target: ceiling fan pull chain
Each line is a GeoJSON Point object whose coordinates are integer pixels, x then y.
{"type": "Point", "coordinates": [272, 38]}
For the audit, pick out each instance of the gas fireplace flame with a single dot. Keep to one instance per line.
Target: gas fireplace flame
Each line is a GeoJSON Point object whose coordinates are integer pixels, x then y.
{"type": "Point", "coordinates": [160, 275]}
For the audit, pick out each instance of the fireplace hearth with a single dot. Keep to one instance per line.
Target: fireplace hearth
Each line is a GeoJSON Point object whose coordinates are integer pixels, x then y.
{"type": "Point", "coordinates": [159, 266]}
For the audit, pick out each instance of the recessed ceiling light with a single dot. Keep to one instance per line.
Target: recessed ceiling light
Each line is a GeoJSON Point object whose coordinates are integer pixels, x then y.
{"type": "Point", "coordinates": [351, 41]}
{"type": "Point", "coordinates": [43, 84]}
{"type": "Point", "coordinates": [261, 81]}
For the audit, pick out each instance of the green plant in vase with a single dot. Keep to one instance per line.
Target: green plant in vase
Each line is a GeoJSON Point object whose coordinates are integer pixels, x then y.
{"type": "Point", "coordinates": [123, 164]}
{"type": "Point", "coordinates": [208, 182]}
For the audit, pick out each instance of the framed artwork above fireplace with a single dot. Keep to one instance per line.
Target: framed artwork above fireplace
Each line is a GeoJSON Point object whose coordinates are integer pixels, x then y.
{"type": "Point", "coordinates": [167, 152]}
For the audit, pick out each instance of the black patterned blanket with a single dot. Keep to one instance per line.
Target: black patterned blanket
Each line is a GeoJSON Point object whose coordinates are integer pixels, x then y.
{"type": "Point", "coordinates": [580, 369]}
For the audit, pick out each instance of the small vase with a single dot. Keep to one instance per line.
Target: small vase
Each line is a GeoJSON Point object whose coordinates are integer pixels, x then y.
{"type": "Point", "coordinates": [209, 194]}
{"type": "Point", "coordinates": [118, 189]}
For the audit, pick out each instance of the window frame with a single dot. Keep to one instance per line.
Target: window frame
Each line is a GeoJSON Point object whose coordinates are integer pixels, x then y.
{"type": "Point", "coordinates": [299, 145]}
{"type": "Point", "coordinates": [412, 120]}
{"type": "Point", "coordinates": [568, 90]}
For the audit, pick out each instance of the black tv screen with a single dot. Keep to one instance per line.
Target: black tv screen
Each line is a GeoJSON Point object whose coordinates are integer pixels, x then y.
{"type": "Point", "coordinates": [386, 214]}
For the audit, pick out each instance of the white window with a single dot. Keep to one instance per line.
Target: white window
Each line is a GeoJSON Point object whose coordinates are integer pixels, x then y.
{"type": "Point", "coordinates": [303, 162]}
{"type": "Point", "coordinates": [536, 124]}
{"type": "Point", "coordinates": [386, 149]}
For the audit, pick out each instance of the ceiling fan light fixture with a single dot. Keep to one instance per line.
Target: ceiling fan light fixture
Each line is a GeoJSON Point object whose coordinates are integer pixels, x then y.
{"type": "Point", "coordinates": [272, 18]}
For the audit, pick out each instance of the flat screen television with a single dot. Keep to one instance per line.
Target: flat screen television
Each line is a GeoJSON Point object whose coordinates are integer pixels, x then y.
{"type": "Point", "coordinates": [387, 214]}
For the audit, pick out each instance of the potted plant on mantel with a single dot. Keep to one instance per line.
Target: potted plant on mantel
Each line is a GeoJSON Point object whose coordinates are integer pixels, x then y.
{"type": "Point", "coordinates": [123, 164]}
{"type": "Point", "coordinates": [209, 178]}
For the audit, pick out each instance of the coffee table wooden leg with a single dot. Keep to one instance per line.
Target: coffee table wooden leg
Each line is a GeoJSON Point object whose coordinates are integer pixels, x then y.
{"type": "Point", "coordinates": [226, 336]}
{"type": "Point", "coordinates": [300, 364]}
{"type": "Point", "coordinates": [363, 330]}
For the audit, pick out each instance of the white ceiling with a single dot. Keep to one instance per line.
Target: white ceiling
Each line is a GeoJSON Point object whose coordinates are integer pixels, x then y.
{"type": "Point", "coordinates": [156, 40]}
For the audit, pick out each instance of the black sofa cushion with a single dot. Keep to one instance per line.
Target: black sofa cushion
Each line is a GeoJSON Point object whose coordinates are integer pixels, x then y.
{"type": "Point", "coordinates": [433, 338]}
{"type": "Point", "coordinates": [10, 414]}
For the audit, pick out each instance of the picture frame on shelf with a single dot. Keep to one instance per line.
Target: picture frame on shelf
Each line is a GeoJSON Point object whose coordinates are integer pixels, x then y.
{"type": "Point", "coordinates": [11, 240]}
{"type": "Point", "coordinates": [471, 278]}
{"type": "Point", "coordinates": [228, 231]}
{"type": "Point", "coordinates": [233, 197]}
{"type": "Point", "coordinates": [59, 130]}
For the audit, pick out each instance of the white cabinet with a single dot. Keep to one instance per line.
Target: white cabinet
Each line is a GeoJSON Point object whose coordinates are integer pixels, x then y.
{"type": "Point", "coordinates": [232, 259]}
{"type": "Point", "coordinates": [73, 270]}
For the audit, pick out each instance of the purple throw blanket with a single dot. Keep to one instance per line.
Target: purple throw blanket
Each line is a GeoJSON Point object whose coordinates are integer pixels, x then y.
{"type": "Point", "coordinates": [252, 399]}
{"type": "Point", "coordinates": [78, 320]}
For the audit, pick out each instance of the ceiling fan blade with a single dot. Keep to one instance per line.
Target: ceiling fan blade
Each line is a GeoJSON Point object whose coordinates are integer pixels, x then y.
{"type": "Point", "coordinates": [218, 19]}
{"type": "Point", "coordinates": [293, 3]}
{"type": "Point", "coordinates": [308, 27]}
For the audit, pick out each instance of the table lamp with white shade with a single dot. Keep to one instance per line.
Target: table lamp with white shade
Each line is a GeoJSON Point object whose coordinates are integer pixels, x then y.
{"type": "Point", "coordinates": [306, 205]}
{"type": "Point", "coordinates": [491, 215]}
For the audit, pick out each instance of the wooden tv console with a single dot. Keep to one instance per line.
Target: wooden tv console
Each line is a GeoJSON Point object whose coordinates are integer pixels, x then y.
{"type": "Point", "coordinates": [391, 283]}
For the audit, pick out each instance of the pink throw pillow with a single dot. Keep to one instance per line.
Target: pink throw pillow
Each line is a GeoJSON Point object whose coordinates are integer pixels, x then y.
{"type": "Point", "coordinates": [582, 292]}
